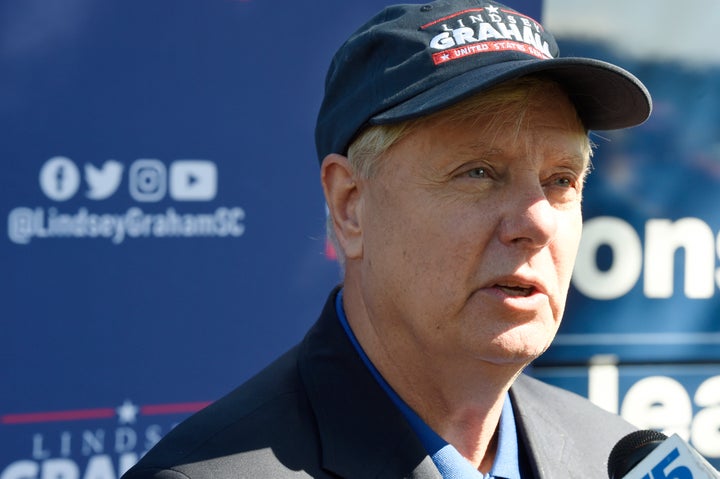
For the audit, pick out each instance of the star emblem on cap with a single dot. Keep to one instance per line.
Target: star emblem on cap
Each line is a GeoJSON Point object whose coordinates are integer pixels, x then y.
{"type": "Point", "coordinates": [492, 9]}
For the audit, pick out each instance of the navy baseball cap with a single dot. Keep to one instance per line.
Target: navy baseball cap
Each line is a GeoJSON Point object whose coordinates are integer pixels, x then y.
{"type": "Point", "coordinates": [411, 60]}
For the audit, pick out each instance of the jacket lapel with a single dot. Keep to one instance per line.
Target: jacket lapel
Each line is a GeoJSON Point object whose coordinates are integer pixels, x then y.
{"type": "Point", "coordinates": [361, 431]}
{"type": "Point", "coordinates": [549, 444]}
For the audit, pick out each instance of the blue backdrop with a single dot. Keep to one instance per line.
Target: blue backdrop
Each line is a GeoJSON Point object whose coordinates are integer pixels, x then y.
{"type": "Point", "coordinates": [164, 225]}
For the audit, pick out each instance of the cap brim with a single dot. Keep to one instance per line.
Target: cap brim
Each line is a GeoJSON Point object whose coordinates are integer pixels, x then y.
{"type": "Point", "coordinates": [606, 96]}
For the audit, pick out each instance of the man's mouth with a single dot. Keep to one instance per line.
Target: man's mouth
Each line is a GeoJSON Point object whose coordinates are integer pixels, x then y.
{"type": "Point", "coordinates": [519, 291]}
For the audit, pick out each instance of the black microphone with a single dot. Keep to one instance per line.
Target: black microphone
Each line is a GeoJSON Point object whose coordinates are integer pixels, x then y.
{"type": "Point", "coordinates": [632, 449]}
{"type": "Point", "coordinates": [648, 454]}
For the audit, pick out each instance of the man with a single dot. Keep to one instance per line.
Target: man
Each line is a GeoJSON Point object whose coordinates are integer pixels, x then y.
{"type": "Point", "coordinates": [454, 148]}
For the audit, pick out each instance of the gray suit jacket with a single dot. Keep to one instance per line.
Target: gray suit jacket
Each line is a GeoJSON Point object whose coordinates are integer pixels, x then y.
{"type": "Point", "coordinates": [318, 412]}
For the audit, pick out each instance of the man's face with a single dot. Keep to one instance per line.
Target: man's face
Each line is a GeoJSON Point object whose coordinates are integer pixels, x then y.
{"type": "Point", "coordinates": [469, 234]}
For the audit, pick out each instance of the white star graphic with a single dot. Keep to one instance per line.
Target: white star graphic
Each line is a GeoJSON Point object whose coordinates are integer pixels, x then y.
{"type": "Point", "coordinates": [492, 9]}
{"type": "Point", "coordinates": [127, 412]}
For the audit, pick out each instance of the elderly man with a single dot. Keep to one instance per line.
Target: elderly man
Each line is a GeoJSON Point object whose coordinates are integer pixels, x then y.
{"type": "Point", "coordinates": [454, 148]}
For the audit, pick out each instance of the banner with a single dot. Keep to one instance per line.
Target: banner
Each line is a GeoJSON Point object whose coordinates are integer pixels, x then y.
{"type": "Point", "coordinates": [641, 334]}
{"type": "Point", "coordinates": [164, 225]}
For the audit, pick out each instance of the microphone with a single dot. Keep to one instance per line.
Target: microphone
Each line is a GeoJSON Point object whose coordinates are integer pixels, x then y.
{"type": "Point", "coordinates": [648, 454]}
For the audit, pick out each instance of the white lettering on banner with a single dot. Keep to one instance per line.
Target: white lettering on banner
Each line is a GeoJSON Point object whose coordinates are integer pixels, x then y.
{"type": "Point", "coordinates": [25, 224]}
{"type": "Point", "coordinates": [38, 451]}
{"type": "Point", "coordinates": [101, 453]}
{"type": "Point", "coordinates": [59, 468]}
{"type": "Point", "coordinates": [626, 246]}
{"type": "Point", "coordinates": [98, 467]}
{"type": "Point", "coordinates": [603, 382]}
{"type": "Point", "coordinates": [707, 421]}
{"type": "Point", "coordinates": [663, 238]}
{"type": "Point", "coordinates": [662, 403]}
{"type": "Point", "coordinates": [188, 180]}
{"type": "Point", "coordinates": [659, 402]}
{"type": "Point", "coordinates": [93, 441]}
{"type": "Point", "coordinates": [125, 439]}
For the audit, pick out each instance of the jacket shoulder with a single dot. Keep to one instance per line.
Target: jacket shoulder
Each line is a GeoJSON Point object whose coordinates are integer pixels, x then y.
{"type": "Point", "coordinates": [261, 429]}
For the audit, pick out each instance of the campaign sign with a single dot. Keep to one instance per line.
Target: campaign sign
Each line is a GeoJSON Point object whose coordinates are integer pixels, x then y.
{"type": "Point", "coordinates": [645, 286]}
{"type": "Point", "coordinates": [163, 225]}
{"type": "Point", "coordinates": [641, 333]}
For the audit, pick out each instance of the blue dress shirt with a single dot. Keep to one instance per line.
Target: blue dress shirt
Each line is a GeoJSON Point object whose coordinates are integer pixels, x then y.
{"type": "Point", "coordinates": [450, 463]}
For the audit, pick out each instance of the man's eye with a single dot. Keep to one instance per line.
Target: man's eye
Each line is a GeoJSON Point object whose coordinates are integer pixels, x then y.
{"type": "Point", "coordinates": [565, 182]}
{"type": "Point", "coordinates": [477, 173]}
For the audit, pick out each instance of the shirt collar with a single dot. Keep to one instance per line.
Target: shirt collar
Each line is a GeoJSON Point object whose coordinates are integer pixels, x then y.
{"type": "Point", "coordinates": [447, 459]}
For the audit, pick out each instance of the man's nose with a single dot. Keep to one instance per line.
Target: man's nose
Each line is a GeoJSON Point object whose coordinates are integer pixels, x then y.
{"type": "Point", "coordinates": [530, 220]}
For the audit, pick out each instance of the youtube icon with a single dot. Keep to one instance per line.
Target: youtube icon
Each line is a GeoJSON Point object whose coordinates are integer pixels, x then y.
{"type": "Point", "coordinates": [193, 180]}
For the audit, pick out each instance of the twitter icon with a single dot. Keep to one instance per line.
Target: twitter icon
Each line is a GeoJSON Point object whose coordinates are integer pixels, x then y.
{"type": "Point", "coordinates": [103, 182]}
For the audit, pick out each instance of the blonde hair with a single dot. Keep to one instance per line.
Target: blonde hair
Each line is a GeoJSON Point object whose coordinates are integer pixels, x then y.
{"type": "Point", "coordinates": [370, 145]}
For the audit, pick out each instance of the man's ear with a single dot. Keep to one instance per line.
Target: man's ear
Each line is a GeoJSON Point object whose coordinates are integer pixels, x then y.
{"type": "Point", "coordinates": [343, 197]}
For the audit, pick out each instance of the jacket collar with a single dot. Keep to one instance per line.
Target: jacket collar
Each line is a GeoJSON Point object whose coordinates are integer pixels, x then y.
{"type": "Point", "coordinates": [549, 443]}
{"type": "Point", "coordinates": [361, 431]}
